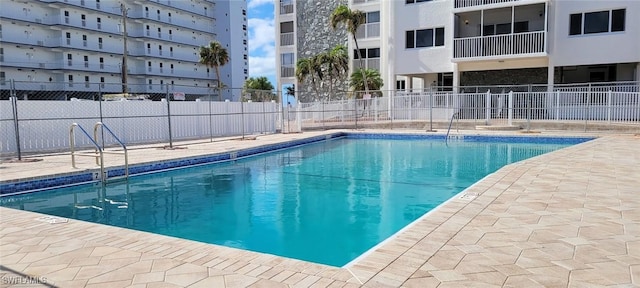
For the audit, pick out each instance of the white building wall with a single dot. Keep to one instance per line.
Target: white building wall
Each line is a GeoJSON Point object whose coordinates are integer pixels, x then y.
{"type": "Point", "coordinates": [591, 49]}
{"type": "Point", "coordinates": [425, 15]}
{"type": "Point", "coordinates": [233, 33]}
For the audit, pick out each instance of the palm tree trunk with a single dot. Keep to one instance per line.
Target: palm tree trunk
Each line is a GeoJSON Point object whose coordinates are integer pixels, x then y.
{"type": "Point", "coordinates": [364, 75]}
{"type": "Point", "coordinates": [218, 84]}
{"type": "Point", "coordinates": [330, 85]}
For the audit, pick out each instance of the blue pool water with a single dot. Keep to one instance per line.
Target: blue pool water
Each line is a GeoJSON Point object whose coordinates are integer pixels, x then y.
{"type": "Point", "coordinates": [326, 202]}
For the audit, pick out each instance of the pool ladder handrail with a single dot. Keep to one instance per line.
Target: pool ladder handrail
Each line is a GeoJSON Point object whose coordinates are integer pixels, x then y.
{"type": "Point", "coordinates": [124, 147]}
{"type": "Point", "coordinates": [97, 154]}
{"type": "Point", "coordinates": [455, 115]}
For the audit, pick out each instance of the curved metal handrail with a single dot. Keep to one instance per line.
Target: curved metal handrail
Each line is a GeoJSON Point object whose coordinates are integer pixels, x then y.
{"type": "Point", "coordinates": [455, 115]}
{"type": "Point", "coordinates": [124, 147]}
{"type": "Point", "coordinates": [72, 143]}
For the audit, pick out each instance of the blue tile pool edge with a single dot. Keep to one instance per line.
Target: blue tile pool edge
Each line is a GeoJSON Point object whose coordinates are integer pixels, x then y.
{"type": "Point", "coordinates": [20, 186]}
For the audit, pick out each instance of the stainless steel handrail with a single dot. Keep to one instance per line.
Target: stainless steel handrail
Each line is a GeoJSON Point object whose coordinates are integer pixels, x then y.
{"type": "Point", "coordinates": [455, 115]}
{"type": "Point", "coordinates": [124, 147]}
{"type": "Point", "coordinates": [72, 142]}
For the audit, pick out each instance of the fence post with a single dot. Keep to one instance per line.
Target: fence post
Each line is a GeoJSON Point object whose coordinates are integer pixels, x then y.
{"type": "Point", "coordinates": [609, 106]}
{"type": "Point", "coordinates": [322, 104]}
{"type": "Point", "coordinates": [299, 118]}
{"type": "Point", "coordinates": [586, 112]}
{"type": "Point", "coordinates": [411, 106]}
{"type": "Point", "coordinates": [487, 108]}
{"type": "Point", "coordinates": [510, 108]}
{"type": "Point", "coordinates": [355, 109]}
{"type": "Point", "coordinates": [242, 117]}
{"type": "Point", "coordinates": [16, 127]}
{"type": "Point", "coordinates": [557, 105]}
{"type": "Point", "coordinates": [210, 116]}
{"type": "Point", "coordinates": [169, 117]}
{"type": "Point", "coordinates": [264, 119]}
{"type": "Point", "coordinates": [430, 109]}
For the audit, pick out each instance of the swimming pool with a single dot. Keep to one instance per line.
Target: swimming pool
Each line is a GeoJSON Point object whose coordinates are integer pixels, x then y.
{"type": "Point", "coordinates": [327, 202]}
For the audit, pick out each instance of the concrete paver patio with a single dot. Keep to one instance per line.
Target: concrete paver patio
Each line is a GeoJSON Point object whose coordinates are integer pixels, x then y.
{"type": "Point", "coordinates": [569, 218]}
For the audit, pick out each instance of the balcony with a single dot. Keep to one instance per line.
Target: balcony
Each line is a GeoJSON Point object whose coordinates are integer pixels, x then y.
{"type": "Point", "coordinates": [369, 30]}
{"type": "Point", "coordinates": [286, 39]}
{"type": "Point", "coordinates": [527, 44]}
{"type": "Point", "coordinates": [286, 7]}
{"type": "Point", "coordinates": [472, 3]}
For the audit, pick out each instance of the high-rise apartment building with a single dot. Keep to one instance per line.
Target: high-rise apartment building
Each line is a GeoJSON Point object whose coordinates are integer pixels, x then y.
{"type": "Point", "coordinates": [452, 43]}
{"type": "Point", "coordinates": [71, 47]}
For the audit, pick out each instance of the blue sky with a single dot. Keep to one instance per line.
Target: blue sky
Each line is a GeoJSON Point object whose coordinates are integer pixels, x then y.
{"type": "Point", "coordinates": [262, 60]}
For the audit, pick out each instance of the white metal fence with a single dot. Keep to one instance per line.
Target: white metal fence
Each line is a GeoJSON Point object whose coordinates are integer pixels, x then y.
{"type": "Point", "coordinates": [565, 103]}
{"type": "Point", "coordinates": [41, 121]}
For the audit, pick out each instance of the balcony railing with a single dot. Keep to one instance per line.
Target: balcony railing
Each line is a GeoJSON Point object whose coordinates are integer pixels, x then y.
{"type": "Point", "coordinates": [369, 30]}
{"type": "Point", "coordinates": [287, 71]}
{"type": "Point", "coordinates": [470, 3]}
{"type": "Point", "coordinates": [500, 45]}
{"type": "Point", "coordinates": [286, 8]}
{"type": "Point", "coordinates": [286, 39]}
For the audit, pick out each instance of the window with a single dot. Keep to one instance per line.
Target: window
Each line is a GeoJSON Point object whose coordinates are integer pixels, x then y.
{"type": "Point", "coordinates": [161, 67]}
{"type": "Point", "coordinates": [410, 36]}
{"type": "Point", "coordinates": [66, 17]}
{"type": "Point", "coordinates": [68, 38]}
{"type": "Point", "coordinates": [286, 27]}
{"type": "Point", "coordinates": [415, 1]}
{"type": "Point", "coordinates": [146, 12]}
{"type": "Point", "coordinates": [244, 12]}
{"type": "Point", "coordinates": [246, 71]}
{"type": "Point", "coordinates": [3, 78]}
{"type": "Point", "coordinates": [158, 14]}
{"type": "Point", "coordinates": [400, 84]}
{"type": "Point", "coordinates": [244, 27]}
{"type": "Point", "coordinates": [170, 34]}
{"type": "Point", "coordinates": [160, 49]}
{"type": "Point", "coordinates": [86, 81]}
{"type": "Point", "coordinates": [1, 54]}
{"type": "Point", "coordinates": [84, 20]}
{"type": "Point", "coordinates": [101, 63]}
{"type": "Point", "coordinates": [100, 43]}
{"type": "Point", "coordinates": [101, 82]}
{"type": "Point", "coordinates": [617, 20]}
{"type": "Point", "coordinates": [147, 28]}
{"type": "Point", "coordinates": [70, 78]}
{"type": "Point", "coordinates": [159, 32]}
{"type": "Point", "coordinates": [367, 53]}
{"type": "Point", "coordinates": [97, 4]}
{"type": "Point", "coordinates": [69, 59]}
{"type": "Point", "coordinates": [597, 22]}
{"type": "Point", "coordinates": [86, 61]}
{"type": "Point", "coordinates": [286, 59]}
{"type": "Point", "coordinates": [424, 38]}
{"type": "Point", "coordinates": [99, 23]}
{"type": "Point", "coordinates": [84, 40]}
{"type": "Point", "coordinates": [171, 51]}
{"type": "Point", "coordinates": [245, 56]}
{"type": "Point", "coordinates": [148, 48]}
{"type": "Point", "coordinates": [149, 66]}
{"type": "Point", "coordinates": [373, 17]}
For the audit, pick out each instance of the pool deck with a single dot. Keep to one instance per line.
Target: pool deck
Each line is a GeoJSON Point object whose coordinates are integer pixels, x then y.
{"type": "Point", "coordinates": [569, 218]}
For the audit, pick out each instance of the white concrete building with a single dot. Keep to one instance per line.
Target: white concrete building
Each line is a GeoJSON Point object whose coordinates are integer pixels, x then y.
{"type": "Point", "coordinates": [74, 48]}
{"type": "Point", "coordinates": [453, 43]}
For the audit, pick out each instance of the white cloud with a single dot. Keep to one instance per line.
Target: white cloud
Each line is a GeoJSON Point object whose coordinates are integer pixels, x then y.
{"type": "Point", "coordinates": [256, 3]}
{"type": "Point", "coordinates": [262, 60]}
{"type": "Point", "coordinates": [261, 33]}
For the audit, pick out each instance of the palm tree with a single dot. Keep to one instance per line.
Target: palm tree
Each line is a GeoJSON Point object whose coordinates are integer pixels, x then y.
{"type": "Point", "coordinates": [352, 20]}
{"type": "Point", "coordinates": [310, 68]}
{"type": "Point", "coordinates": [373, 80]}
{"type": "Point", "coordinates": [291, 90]}
{"type": "Point", "coordinates": [337, 61]}
{"type": "Point", "coordinates": [214, 56]}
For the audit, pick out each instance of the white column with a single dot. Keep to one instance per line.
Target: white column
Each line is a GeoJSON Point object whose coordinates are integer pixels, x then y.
{"type": "Point", "coordinates": [456, 78]}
